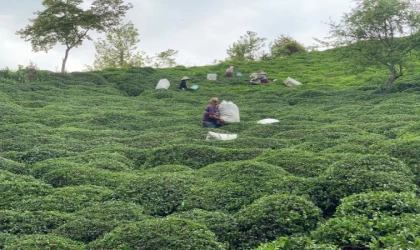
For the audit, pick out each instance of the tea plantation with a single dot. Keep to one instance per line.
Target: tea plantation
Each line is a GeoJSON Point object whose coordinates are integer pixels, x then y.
{"type": "Point", "coordinates": [103, 160]}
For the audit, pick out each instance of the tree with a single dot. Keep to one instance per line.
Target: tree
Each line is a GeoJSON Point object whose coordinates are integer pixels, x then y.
{"type": "Point", "coordinates": [247, 48]}
{"type": "Point", "coordinates": [381, 33]}
{"type": "Point", "coordinates": [65, 22]}
{"type": "Point", "coordinates": [285, 46]}
{"type": "Point", "coordinates": [165, 58]}
{"type": "Point", "coordinates": [119, 48]}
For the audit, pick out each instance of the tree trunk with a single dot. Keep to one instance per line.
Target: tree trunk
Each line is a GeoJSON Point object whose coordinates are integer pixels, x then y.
{"type": "Point", "coordinates": [63, 65]}
{"type": "Point", "coordinates": [394, 76]}
{"type": "Point", "coordinates": [122, 64]}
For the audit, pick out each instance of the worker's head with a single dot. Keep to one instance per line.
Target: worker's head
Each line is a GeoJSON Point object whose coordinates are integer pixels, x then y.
{"type": "Point", "coordinates": [214, 101]}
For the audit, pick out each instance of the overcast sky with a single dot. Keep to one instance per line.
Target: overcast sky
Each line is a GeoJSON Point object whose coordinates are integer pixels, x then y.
{"type": "Point", "coordinates": [201, 30]}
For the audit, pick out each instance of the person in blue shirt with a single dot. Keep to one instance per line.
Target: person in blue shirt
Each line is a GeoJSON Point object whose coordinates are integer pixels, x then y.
{"type": "Point", "coordinates": [211, 117]}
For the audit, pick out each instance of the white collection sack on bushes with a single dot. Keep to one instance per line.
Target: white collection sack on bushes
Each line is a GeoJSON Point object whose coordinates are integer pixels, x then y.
{"type": "Point", "coordinates": [267, 121]}
{"type": "Point", "coordinates": [163, 84]}
{"type": "Point", "coordinates": [220, 137]}
{"type": "Point", "coordinates": [290, 82]}
{"type": "Point", "coordinates": [229, 112]}
{"type": "Point", "coordinates": [212, 77]}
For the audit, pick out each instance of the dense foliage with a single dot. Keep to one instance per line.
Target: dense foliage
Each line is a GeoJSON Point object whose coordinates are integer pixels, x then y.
{"type": "Point", "coordinates": [102, 160]}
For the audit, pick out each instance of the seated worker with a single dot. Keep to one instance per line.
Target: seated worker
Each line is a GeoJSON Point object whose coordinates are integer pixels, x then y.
{"type": "Point", "coordinates": [229, 71]}
{"type": "Point", "coordinates": [262, 76]}
{"type": "Point", "coordinates": [211, 118]}
{"type": "Point", "coordinates": [183, 84]}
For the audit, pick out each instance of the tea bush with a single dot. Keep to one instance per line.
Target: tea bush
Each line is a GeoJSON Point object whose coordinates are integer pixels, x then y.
{"type": "Point", "coordinates": [39, 169]}
{"type": "Point", "coordinates": [26, 222]}
{"type": "Point", "coordinates": [196, 156]}
{"type": "Point", "coordinates": [5, 237]}
{"type": "Point", "coordinates": [43, 153]}
{"type": "Point", "coordinates": [375, 204]}
{"type": "Point", "coordinates": [42, 242]}
{"type": "Point", "coordinates": [407, 151]}
{"type": "Point", "coordinates": [12, 166]}
{"type": "Point", "coordinates": [170, 169]}
{"type": "Point", "coordinates": [223, 225]}
{"type": "Point", "coordinates": [159, 194]}
{"type": "Point", "coordinates": [358, 174]}
{"type": "Point", "coordinates": [294, 243]}
{"type": "Point", "coordinates": [88, 78]}
{"type": "Point", "coordinates": [14, 187]}
{"type": "Point", "coordinates": [276, 215]}
{"type": "Point", "coordinates": [159, 234]}
{"type": "Point", "coordinates": [65, 199]}
{"type": "Point", "coordinates": [359, 232]}
{"type": "Point", "coordinates": [297, 162]}
{"type": "Point", "coordinates": [75, 176]}
{"type": "Point", "coordinates": [236, 184]}
{"type": "Point", "coordinates": [92, 222]}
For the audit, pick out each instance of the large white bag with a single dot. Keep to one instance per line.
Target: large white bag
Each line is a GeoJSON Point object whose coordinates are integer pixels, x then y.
{"type": "Point", "coordinates": [220, 137]}
{"type": "Point", "coordinates": [267, 121]}
{"type": "Point", "coordinates": [212, 77]}
{"type": "Point", "coordinates": [163, 84]}
{"type": "Point", "coordinates": [229, 112]}
{"type": "Point", "coordinates": [290, 82]}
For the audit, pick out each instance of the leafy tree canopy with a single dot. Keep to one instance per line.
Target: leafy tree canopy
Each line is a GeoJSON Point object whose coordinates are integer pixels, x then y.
{"type": "Point", "coordinates": [382, 33]}
{"type": "Point", "coordinates": [285, 46]}
{"type": "Point", "coordinates": [119, 48]}
{"type": "Point", "coordinates": [247, 48]}
{"type": "Point", "coordinates": [67, 23]}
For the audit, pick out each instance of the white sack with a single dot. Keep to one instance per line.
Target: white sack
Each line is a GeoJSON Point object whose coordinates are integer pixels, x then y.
{"type": "Point", "coordinates": [229, 112]}
{"type": "Point", "coordinates": [267, 121]}
{"type": "Point", "coordinates": [220, 137]}
{"type": "Point", "coordinates": [163, 84]}
{"type": "Point", "coordinates": [212, 77]}
{"type": "Point", "coordinates": [290, 82]}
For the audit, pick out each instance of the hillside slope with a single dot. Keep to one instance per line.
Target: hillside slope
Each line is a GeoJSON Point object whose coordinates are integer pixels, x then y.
{"type": "Point", "coordinates": [108, 139]}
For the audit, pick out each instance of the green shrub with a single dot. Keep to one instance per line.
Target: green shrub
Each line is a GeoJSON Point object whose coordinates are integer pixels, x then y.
{"type": "Point", "coordinates": [407, 151]}
{"type": "Point", "coordinates": [163, 94]}
{"type": "Point", "coordinates": [170, 169]}
{"type": "Point", "coordinates": [160, 194]}
{"type": "Point", "coordinates": [66, 199]}
{"type": "Point", "coordinates": [196, 156]}
{"type": "Point", "coordinates": [222, 224]}
{"type": "Point", "coordinates": [230, 196]}
{"type": "Point", "coordinates": [236, 184]}
{"type": "Point", "coordinates": [375, 204]}
{"type": "Point", "coordinates": [358, 174]}
{"type": "Point", "coordinates": [295, 243]}
{"type": "Point", "coordinates": [276, 215]}
{"type": "Point", "coordinates": [12, 166]}
{"type": "Point", "coordinates": [132, 83]}
{"type": "Point", "coordinates": [42, 242]}
{"type": "Point", "coordinates": [358, 232]}
{"type": "Point", "coordinates": [39, 169]}
{"type": "Point", "coordinates": [14, 187]}
{"type": "Point", "coordinates": [159, 234]}
{"type": "Point", "coordinates": [43, 153]}
{"type": "Point", "coordinates": [89, 77]}
{"type": "Point", "coordinates": [92, 222]}
{"type": "Point", "coordinates": [297, 162]}
{"type": "Point", "coordinates": [26, 222]}
{"type": "Point", "coordinates": [75, 176]}
{"type": "Point", "coordinates": [4, 237]}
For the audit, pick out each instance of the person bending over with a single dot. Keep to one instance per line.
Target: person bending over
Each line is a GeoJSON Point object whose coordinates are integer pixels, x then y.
{"type": "Point", "coordinates": [229, 71]}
